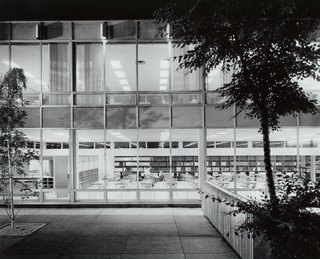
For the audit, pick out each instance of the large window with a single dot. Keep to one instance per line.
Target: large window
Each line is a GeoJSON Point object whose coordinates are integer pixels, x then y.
{"type": "Point", "coordinates": [181, 79]}
{"type": "Point", "coordinates": [120, 66]}
{"type": "Point", "coordinates": [153, 67]}
{"type": "Point", "coordinates": [27, 57]}
{"type": "Point", "coordinates": [55, 69]}
{"type": "Point", "coordinates": [4, 59]}
{"type": "Point", "coordinates": [90, 67]}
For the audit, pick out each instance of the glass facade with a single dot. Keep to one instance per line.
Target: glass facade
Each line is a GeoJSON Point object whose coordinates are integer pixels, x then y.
{"type": "Point", "coordinates": [114, 120]}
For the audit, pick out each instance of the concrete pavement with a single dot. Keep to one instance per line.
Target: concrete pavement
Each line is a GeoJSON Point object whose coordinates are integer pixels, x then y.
{"type": "Point", "coordinates": [133, 233]}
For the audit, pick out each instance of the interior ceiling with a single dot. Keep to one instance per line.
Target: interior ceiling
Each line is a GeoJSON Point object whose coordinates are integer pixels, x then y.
{"type": "Point", "coordinates": [28, 10]}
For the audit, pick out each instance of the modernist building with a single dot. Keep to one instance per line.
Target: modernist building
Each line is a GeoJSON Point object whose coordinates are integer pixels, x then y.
{"type": "Point", "coordinates": [115, 121]}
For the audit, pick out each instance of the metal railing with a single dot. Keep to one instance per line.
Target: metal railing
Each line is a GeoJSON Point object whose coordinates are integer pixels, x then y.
{"type": "Point", "coordinates": [218, 214]}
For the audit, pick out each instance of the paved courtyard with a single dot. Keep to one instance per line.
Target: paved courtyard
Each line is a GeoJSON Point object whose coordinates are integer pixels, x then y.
{"type": "Point", "coordinates": [155, 233]}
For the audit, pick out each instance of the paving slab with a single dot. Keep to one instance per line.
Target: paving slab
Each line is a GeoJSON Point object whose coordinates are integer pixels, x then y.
{"type": "Point", "coordinates": [194, 229]}
{"type": "Point", "coordinates": [111, 230]}
{"type": "Point", "coordinates": [153, 256]}
{"type": "Point", "coordinates": [30, 256]}
{"type": "Point", "coordinates": [191, 219]}
{"type": "Point", "coordinates": [158, 229]}
{"type": "Point", "coordinates": [41, 244]}
{"type": "Point", "coordinates": [153, 245]}
{"type": "Point", "coordinates": [205, 245]}
{"type": "Point", "coordinates": [130, 219]}
{"type": "Point", "coordinates": [211, 256]}
{"type": "Point", "coordinates": [6, 242]}
{"type": "Point", "coordinates": [131, 233]}
{"type": "Point", "coordinates": [103, 245]}
{"type": "Point", "coordinates": [91, 256]}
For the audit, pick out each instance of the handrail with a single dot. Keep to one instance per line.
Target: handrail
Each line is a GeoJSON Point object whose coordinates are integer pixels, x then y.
{"type": "Point", "coordinates": [219, 215]}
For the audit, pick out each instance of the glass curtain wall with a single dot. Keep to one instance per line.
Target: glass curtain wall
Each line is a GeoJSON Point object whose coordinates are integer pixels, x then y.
{"type": "Point", "coordinates": [117, 122]}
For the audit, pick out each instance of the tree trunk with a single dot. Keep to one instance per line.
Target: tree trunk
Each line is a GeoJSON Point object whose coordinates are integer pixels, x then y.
{"type": "Point", "coordinates": [12, 218]}
{"type": "Point", "coordinates": [267, 157]}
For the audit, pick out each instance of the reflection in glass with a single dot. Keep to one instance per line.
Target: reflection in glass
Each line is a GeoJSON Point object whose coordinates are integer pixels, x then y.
{"type": "Point", "coordinates": [181, 80]}
{"type": "Point", "coordinates": [120, 67]}
{"type": "Point", "coordinates": [23, 31]}
{"type": "Point", "coordinates": [86, 30]}
{"type": "Point", "coordinates": [89, 118]}
{"type": "Point", "coordinates": [4, 59]}
{"type": "Point", "coordinates": [154, 117]}
{"type": "Point", "coordinates": [56, 117]}
{"type": "Point", "coordinates": [90, 67]}
{"type": "Point", "coordinates": [153, 67]}
{"type": "Point", "coordinates": [33, 118]}
{"type": "Point", "coordinates": [187, 117]}
{"type": "Point", "coordinates": [121, 118]}
{"type": "Point", "coordinates": [121, 99]}
{"type": "Point", "coordinates": [28, 58]}
{"type": "Point", "coordinates": [55, 70]}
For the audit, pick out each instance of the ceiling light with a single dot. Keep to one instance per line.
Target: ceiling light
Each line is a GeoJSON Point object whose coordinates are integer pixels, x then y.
{"type": "Point", "coordinates": [123, 81]}
{"type": "Point", "coordinates": [163, 87]}
{"type": "Point", "coordinates": [120, 74]}
{"type": "Point", "coordinates": [163, 81]}
{"type": "Point", "coordinates": [116, 64]}
{"type": "Point", "coordinates": [164, 73]}
{"type": "Point", "coordinates": [164, 64]}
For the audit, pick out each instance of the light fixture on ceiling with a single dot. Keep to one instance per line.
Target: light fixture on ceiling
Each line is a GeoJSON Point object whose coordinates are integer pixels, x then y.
{"type": "Point", "coordinates": [163, 81]}
{"type": "Point", "coordinates": [163, 87]}
{"type": "Point", "coordinates": [164, 63]}
{"type": "Point", "coordinates": [123, 82]}
{"type": "Point", "coordinates": [120, 74]}
{"type": "Point", "coordinates": [116, 64]}
{"type": "Point", "coordinates": [164, 73]}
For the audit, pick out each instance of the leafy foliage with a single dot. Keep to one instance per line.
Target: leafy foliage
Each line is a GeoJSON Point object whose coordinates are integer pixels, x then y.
{"type": "Point", "coordinates": [13, 152]}
{"type": "Point", "coordinates": [294, 230]}
{"type": "Point", "coordinates": [268, 46]}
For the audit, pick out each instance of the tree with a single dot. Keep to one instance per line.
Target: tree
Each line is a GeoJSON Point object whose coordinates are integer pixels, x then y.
{"type": "Point", "coordinates": [268, 45]}
{"type": "Point", "coordinates": [13, 153]}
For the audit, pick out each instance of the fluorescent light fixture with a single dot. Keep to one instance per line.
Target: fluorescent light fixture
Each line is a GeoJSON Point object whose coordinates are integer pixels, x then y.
{"type": "Point", "coordinates": [164, 73]}
{"type": "Point", "coordinates": [126, 88]}
{"type": "Point", "coordinates": [123, 81]}
{"type": "Point", "coordinates": [120, 74]}
{"type": "Point", "coordinates": [164, 64]}
{"type": "Point", "coordinates": [163, 81]}
{"type": "Point", "coordinates": [115, 133]}
{"type": "Point", "coordinates": [163, 87]}
{"type": "Point", "coordinates": [116, 64]}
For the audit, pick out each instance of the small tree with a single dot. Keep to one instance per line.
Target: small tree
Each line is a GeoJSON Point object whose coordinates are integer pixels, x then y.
{"type": "Point", "coordinates": [268, 45]}
{"type": "Point", "coordinates": [13, 153]}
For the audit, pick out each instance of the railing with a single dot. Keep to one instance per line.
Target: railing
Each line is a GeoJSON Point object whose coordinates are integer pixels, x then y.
{"type": "Point", "coordinates": [225, 223]}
